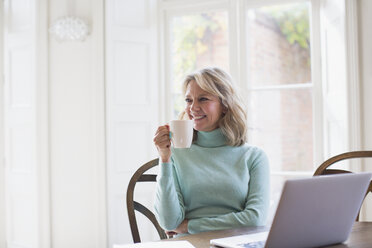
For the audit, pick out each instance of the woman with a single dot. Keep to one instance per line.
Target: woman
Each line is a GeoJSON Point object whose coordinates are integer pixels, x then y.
{"type": "Point", "coordinates": [220, 182]}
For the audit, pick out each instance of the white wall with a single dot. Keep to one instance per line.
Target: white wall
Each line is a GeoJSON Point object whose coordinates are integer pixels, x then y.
{"type": "Point", "coordinates": [77, 162]}
{"type": "Point", "coordinates": [2, 172]}
{"type": "Point", "coordinates": [365, 52]}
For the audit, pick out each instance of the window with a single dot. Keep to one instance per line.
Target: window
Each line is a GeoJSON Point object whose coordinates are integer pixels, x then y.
{"type": "Point", "coordinates": [197, 40]}
{"type": "Point", "coordinates": [280, 113]}
{"type": "Point", "coordinates": [267, 49]}
{"type": "Point", "coordinates": [279, 83]}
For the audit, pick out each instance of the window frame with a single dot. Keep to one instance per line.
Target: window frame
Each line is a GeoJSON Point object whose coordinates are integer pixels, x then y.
{"type": "Point", "coordinates": [237, 35]}
{"type": "Point", "coordinates": [314, 84]}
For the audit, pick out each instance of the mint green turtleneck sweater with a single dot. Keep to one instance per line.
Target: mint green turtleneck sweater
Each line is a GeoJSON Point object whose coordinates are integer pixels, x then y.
{"type": "Point", "coordinates": [213, 185]}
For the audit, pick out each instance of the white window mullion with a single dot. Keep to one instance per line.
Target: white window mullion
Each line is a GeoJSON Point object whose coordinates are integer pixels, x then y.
{"type": "Point", "coordinates": [235, 45]}
{"type": "Point", "coordinates": [334, 77]}
{"type": "Point", "coordinates": [352, 65]}
{"type": "Point", "coordinates": [316, 75]}
{"type": "Point", "coordinates": [283, 87]}
{"type": "Point", "coordinates": [240, 9]}
{"type": "Point", "coordinates": [167, 75]}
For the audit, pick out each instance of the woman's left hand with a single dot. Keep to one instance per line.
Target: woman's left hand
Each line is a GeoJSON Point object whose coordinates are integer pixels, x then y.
{"type": "Point", "coordinates": [182, 228]}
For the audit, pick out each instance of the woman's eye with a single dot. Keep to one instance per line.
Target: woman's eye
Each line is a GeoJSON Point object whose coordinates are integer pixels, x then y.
{"type": "Point", "coordinates": [188, 100]}
{"type": "Point", "coordinates": [203, 99]}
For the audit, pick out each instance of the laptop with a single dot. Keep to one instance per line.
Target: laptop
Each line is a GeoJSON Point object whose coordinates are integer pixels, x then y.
{"type": "Point", "coordinates": [312, 212]}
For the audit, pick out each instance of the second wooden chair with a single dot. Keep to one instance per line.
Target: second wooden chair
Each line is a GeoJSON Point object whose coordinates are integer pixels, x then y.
{"type": "Point", "coordinates": [324, 170]}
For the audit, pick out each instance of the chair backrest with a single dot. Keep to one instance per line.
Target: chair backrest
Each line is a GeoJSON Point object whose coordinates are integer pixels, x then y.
{"type": "Point", "coordinates": [323, 168]}
{"type": "Point", "coordinates": [133, 205]}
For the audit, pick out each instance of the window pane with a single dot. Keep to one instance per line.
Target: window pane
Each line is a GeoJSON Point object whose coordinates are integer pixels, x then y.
{"type": "Point", "coordinates": [280, 121]}
{"type": "Point", "coordinates": [198, 40]}
{"type": "Point", "coordinates": [278, 45]}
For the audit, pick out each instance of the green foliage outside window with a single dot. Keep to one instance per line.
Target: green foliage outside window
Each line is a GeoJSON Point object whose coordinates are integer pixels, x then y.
{"type": "Point", "coordinates": [293, 20]}
{"type": "Point", "coordinates": [191, 35]}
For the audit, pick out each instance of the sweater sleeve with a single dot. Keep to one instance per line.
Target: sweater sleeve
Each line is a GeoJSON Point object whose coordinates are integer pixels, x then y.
{"type": "Point", "coordinates": [256, 206]}
{"type": "Point", "coordinates": [169, 205]}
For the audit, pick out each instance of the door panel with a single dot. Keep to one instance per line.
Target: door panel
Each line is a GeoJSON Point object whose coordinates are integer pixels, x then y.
{"type": "Point", "coordinates": [20, 125]}
{"type": "Point", "coordinates": [132, 106]}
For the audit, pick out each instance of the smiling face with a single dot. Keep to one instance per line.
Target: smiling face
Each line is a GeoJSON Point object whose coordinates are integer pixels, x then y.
{"type": "Point", "coordinates": [202, 107]}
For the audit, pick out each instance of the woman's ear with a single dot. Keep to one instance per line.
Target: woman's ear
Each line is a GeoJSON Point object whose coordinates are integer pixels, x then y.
{"type": "Point", "coordinates": [224, 110]}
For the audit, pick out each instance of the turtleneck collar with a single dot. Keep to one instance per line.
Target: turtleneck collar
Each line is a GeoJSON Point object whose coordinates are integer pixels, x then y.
{"type": "Point", "coordinates": [211, 139]}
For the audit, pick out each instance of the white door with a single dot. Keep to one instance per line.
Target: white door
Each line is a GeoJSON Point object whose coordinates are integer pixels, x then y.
{"type": "Point", "coordinates": [26, 124]}
{"type": "Point", "coordinates": [132, 105]}
{"type": "Point", "coordinates": [20, 125]}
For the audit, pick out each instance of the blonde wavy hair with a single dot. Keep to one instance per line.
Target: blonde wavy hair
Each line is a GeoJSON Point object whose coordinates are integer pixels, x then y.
{"type": "Point", "coordinates": [219, 83]}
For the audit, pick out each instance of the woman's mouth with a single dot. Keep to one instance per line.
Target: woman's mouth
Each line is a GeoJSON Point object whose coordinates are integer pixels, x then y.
{"type": "Point", "coordinates": [199, 117]}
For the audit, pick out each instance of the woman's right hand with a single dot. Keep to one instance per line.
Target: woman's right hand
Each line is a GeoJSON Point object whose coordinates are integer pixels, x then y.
{"type": "Point", "coordinates": [163, 143]}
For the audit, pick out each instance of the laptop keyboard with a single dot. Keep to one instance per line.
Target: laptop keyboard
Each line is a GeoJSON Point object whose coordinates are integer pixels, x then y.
{"type": "Point", "coordinates": [258, 244]}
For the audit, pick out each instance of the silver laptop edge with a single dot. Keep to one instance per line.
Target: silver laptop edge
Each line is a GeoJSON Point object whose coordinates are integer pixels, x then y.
{"type": "Point", "coordinates": [314, 211]}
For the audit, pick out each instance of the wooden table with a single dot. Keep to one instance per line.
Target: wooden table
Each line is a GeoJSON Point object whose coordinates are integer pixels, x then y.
{"type": "Point", "coordinates": [360, 237]}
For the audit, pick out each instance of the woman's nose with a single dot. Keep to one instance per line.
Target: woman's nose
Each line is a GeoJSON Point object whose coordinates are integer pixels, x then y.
{"type": "Point", "coordinates": [194, 106]}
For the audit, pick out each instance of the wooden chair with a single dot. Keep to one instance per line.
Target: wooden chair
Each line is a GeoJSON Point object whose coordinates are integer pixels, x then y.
{"type": "Point", "coordinates": [133, 205]}
{"type": "Point", "coordinates": [323, 168]}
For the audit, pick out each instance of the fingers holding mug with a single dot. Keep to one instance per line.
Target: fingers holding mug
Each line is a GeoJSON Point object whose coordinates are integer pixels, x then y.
{"type": "Point", "coordinates": [162, 142]}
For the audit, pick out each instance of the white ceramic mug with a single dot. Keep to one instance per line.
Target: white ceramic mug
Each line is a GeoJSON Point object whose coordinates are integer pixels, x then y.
{"type": "Point", "coordinates": [181, 133]}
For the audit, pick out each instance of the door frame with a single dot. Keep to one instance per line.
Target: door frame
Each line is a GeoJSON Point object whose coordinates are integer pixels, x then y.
{"type": "Point", "coordinates": [2, 158]}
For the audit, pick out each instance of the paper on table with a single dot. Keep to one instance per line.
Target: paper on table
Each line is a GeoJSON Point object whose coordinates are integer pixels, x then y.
{"type": "Point", "coordinates": [166, 244]}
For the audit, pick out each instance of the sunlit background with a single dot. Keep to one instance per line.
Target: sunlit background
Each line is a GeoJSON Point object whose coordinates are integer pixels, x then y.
{"type": "Point", "coordinates": [279, 96]}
